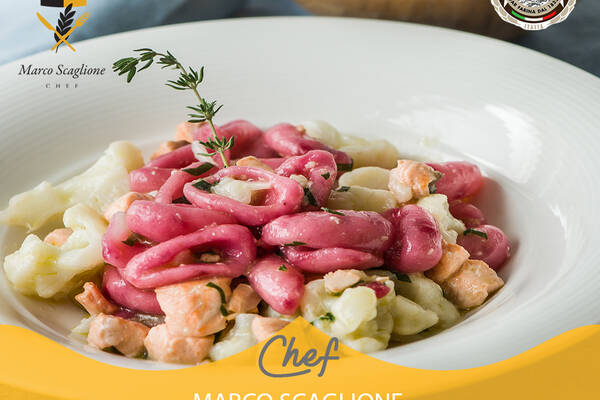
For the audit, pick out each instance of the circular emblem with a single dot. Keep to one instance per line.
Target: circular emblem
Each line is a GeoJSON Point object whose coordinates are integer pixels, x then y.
{"type": "Point", "coordinates": [533, 15]}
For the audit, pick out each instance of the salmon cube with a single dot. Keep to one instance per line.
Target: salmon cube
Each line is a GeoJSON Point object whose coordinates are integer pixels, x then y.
{"type": "Point", "coordinates": [195, 308]}
{"type": "Point", "coordinates": [265, 327]}
{"type": "Point", "coordinates": [162, 345]}
{"type": "Point", "coordinates": [168, 147]}
{"type": "Point", "coordinates": [123, 203]}
{"type": "Point", "coordinates": [58, 237]}
{"type": "Point", "coordinates": [251, 161]}
{"type": "Point", "coordinates": [337, 281]}
{"type": "Point", "coordinates": [472, 284]}
{"type": "Point", "coordinates": [411, 179]}
{"type": "Point", "coordinates": [453, 257]}
{"type": "Point", "coordinates": [94, 301]}
{"type": "Point", "coordinates": [110, 331]}
{"type": "Point", "coordinates": [243, 299]}
{"type": "Point", "coordinates": [185, 131]}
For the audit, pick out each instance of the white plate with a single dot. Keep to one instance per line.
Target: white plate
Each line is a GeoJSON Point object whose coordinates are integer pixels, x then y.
{"type": "Point", "coordinates": [529, 121]}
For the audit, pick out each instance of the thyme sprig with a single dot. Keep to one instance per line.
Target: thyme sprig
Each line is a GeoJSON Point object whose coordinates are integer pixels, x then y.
{"type": "Point", "coordinates": [189, 79]}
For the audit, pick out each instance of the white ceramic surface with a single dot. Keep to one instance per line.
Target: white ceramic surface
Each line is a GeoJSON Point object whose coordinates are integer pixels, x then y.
{"type": "Point", "coordinates": [529, 121]}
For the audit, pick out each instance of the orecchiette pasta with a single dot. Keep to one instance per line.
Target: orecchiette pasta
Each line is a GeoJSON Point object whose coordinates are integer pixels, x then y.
{"type": "Point", "coordinates": [410, 318]}
{"type": "Point", "coordinates": [367, 177]}
{"type": "Point", "coordinates": [323, 132]}
{"type": "Point", "coordinates": [371, 153]}
{"type": "Point", "coordinates": [362, 198]}
{"type": "Point", "coordinates": [429, 295]}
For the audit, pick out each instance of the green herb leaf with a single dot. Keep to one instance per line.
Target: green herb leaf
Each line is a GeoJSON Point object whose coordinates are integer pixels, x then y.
{"type": "Point", "coordinates": [224, 310]}
{"type": "Point", "coordinates": [471, 231]}
{"type": "Point", "coordinates": [329, 210]}
{"type": "Point", "coordinates": [295, 243]}
{"type": "Point", "coordinates": [402, 277]}
{"type": "Point", "coordinates": [131, 241]}
{"type": "Point", "coordinates": [181, 200]}
{"type": "Point", "coordinates": [199, 170]}
{"type": "Point", "coordinates": [327, 317]}
{"type": "Point", "coordinates": [345, 167]}
{"type": "Point", "coordinates": [188, 79]}
{"type": "Point", "coordinates": [326, 175]}
{"type": "Point", "coordinates": [310, 198]}
{"type": "Point", "coordinates": [343, 189]}
{"type": "Point", "coordinates": [203, 185]}
{"type": "Point", "coordinates": [282, 268]}
{"type": "Point", "coordinates": [433, 184]}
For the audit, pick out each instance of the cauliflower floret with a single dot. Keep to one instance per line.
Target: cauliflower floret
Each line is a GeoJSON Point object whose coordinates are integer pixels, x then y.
{"type": "Point", "coordinates": [437, 206]}
{"type": "Point", "coordinates": [323, 132]}
{"type": "Point", "coordinates": [39, 268]}
{"type": "Point", "coordinates": [369, 177]}
{"type": "Point", "coordinates": [238, 339]}
{"type": "Point", "coordinates": [242, 191]}
{"type": "Point", "coordinates": [356, 317]}
{"type": "Point", "coordinates": [100, 185]}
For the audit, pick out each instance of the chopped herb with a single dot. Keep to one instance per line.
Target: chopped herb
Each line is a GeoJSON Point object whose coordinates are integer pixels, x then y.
{"type": "Point", "coordinates": [329, 210]}
{"type": "Point", "coordinates": [309, 196]}
{"type": "Point", "coordinates": [476, 232]}
{"type": "Point", "coordinates": [402, 277]}
{"type": "Point", "coordinates": [282, 268]}
{"type": "Point", "coordinates": [130, 241]}
{"type": "Point", "coordinates": [181, 200]}
{"type": "Point", "coordinates": [143, 355]}
{"type": "Point", "coordinates": [327, 317]}
{"type": "Point", "coordinates": [295, 243]}
{"type": "Point", "coordinates": [343, 189]}
{"type": "Point", "coordinates": [203, 185]}
{"type": "Point", "coordinates": [326, 175]}
{"type": "Point", "coordinates": [432, 187]}
{"type": "Point", "coordinates": [433, 184]}
{"type": "Point", "coordinates": [199, 170]}
{"type": "Point", "coordinates": [224, 310]}
{"type": "Point", "coordinates": [345, 167]}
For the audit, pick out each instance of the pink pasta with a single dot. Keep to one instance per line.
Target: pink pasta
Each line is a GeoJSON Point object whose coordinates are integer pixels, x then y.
{"type": "Point", "coordinates": [161, 222]}
{"type": "Point", "coordinates": [284, 196]}
{"type": "Point", "coordinates": [359, 230]}
{"type": "Point", "coordinates": [116, 248]}
{"type": "Point", "coordinates": [417, 244]}
{"type": "Point", "coordinates": [278, 283]}
{"type": "Point", "coordinates": [287, 140]}
{"type": "Point", "coordinates": [460, 179]}
{"type": "Point", "coordinates": [322, 261]}
{"type": "Point", "coordinates": [234, 244]}
{"type": "Point", "coordinates": [319, 168]}
{"type": "Point", "coordinates": [123, 293]}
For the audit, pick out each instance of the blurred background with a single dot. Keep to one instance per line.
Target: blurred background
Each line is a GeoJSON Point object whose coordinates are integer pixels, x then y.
{"type": "Point", "coordinates": [577, 40]}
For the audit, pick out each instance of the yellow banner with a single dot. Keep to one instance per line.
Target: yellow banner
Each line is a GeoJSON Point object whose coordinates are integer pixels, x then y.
{"type": "Point", "coordinates": [300, 363]}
